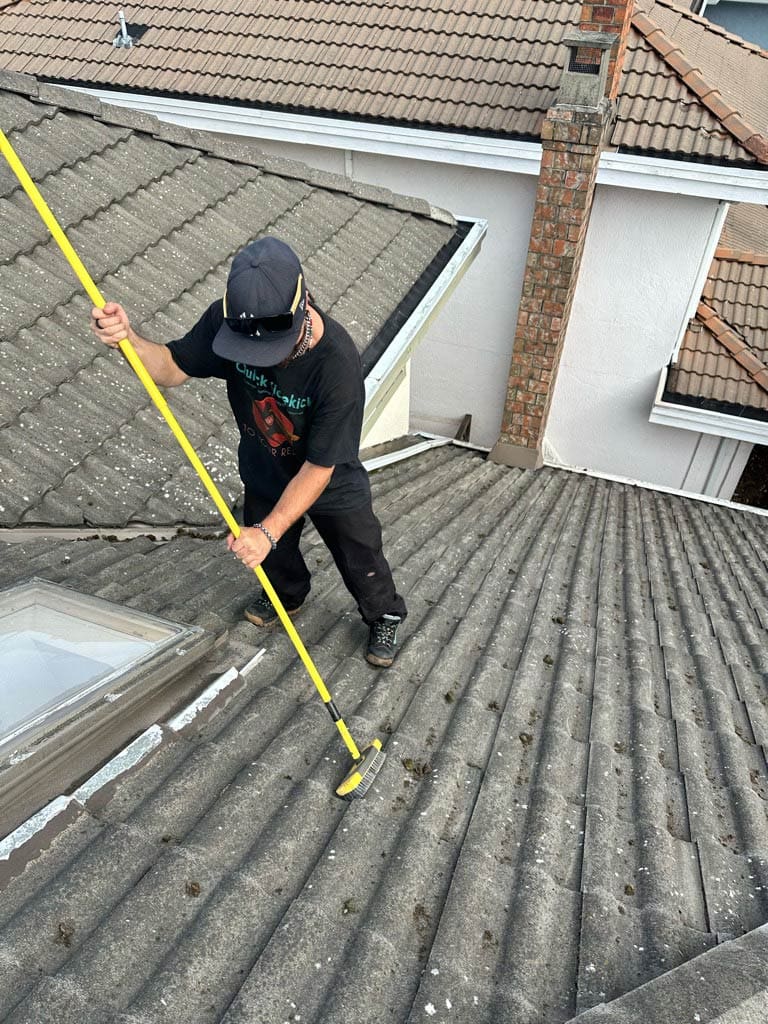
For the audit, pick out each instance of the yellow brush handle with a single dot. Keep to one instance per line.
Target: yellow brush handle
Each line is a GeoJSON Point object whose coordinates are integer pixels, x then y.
{"type": "Point", "coordinates": [141, 372]}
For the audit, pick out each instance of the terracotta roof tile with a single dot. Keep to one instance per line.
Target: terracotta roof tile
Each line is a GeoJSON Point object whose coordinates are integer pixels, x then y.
{"type": "Point", "coordinates": [724, 355]}
{"type": "Point", "coordinates": [701, 86]}
{"type": "Point", "coordinates": [494, 67]}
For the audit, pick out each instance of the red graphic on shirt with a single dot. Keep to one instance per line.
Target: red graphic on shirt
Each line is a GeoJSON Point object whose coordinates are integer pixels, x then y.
{"type": "Point", "coordinates": [274, 425]}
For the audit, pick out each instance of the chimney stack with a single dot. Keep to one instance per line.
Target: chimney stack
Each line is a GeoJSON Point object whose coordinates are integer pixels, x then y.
{"type": "Point", "coordinates": [610, 19]}
{"type": "Point", "coordinates": [572, 137]}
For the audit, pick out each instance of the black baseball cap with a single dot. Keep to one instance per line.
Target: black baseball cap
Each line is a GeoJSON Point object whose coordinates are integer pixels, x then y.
{"type": "Point", "coordinates": [264, 305]}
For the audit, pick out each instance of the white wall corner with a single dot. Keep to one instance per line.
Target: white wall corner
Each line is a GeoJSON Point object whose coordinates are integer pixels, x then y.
{"type": "Point", "coordinates": [549, 453]}
{"type": "Point", "coordinates": [716, 466]}
{"type": "Point", "coordinates": [718, 220]}
{"type": "Point", "coordinates": [394, 419]}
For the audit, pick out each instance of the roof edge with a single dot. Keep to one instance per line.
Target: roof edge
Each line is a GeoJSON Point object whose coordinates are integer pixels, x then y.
{"type": "Point", "coordinates": [225, 149]}
{"type": "Point", "coordinates": [745, 134]}
{"type": "Point", "coordinates": [712, 26]}
{"type": "Point", "coordinates": [722, 979]}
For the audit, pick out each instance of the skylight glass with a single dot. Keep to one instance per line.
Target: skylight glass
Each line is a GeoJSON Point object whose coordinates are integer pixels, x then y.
{"type": "Point", "coordinates": [58, 648]}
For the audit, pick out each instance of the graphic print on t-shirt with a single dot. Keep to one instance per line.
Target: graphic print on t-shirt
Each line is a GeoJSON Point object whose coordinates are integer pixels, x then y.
{"type": "Point", "coordinates": [274, 426]}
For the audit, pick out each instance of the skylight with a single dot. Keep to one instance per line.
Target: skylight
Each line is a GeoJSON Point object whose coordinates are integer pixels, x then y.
{"type": "Point", "coordinates": [59, 648]}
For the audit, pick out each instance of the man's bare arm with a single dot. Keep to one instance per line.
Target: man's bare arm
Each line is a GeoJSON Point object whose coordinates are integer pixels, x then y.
{"type": "Point", "coordinates": [252, 546]}
{"type": "Point", "coordinates": [111, 326]}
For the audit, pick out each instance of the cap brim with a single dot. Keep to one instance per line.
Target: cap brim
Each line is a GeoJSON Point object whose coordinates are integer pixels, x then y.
{"type": "Point", "coordinates": [268, 350]}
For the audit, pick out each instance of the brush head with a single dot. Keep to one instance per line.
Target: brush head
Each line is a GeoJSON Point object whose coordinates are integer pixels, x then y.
{"type": "Point", "coordinates": [362, 774]}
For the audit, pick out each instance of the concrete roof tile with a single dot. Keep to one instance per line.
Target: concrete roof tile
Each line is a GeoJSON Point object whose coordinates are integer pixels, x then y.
{"type": "Point", "coordinates": [156, 223]}
{"type": "Point", "coordinates": [530, 813]}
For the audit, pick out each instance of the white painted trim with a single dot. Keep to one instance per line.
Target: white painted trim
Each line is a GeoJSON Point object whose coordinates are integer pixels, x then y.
{"type": "Point", "coordinates": [387, 372]}
{"type": "Point", "coordinates": [188, 714]}
{"type": "Point", "coordinates": [253, 662]}
{"type": "Point", "coordinates": [29, 828]}
{"type": "Point", "coordinates": [126, 759]}
{"type": "Point", "coordinates": [453, 441]}
{"type": "Point", "coordinates": [705, 421]}
{"type": "Point", "coordinates": [735, 184]}
{"type": "Point", "coordinates": [694, 299]}
{"type": "Point", "coordinates": [619, 169]}
{"type": "Point", "coordinates": [380, 461]}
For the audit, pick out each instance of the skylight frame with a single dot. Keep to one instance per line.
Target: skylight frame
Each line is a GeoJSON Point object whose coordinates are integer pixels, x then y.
{"type": "Point", "coordinates": [164, 635]}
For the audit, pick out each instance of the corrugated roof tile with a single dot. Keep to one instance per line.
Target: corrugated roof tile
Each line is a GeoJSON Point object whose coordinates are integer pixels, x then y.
{"type": "Point", "coordinates": [584, 814]}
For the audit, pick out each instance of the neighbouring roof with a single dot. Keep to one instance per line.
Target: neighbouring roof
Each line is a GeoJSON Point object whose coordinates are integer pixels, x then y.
{"type": "Point", "coordinates": [573, 802]}
{"type": "Point", "coordinates": [689, 90]}
{"type": "Point", "coordinates": [156, 213]}
{"type": "Point", "coordinates": [723, 360]}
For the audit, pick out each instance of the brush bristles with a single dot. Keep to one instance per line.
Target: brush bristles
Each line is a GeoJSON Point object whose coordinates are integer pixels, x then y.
{"type": "Point", "coordinates": [362, 774]}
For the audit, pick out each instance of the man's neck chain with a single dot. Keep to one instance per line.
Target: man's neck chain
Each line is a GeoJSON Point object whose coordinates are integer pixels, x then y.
{"type": "Point", "coordinates": [306, 341]}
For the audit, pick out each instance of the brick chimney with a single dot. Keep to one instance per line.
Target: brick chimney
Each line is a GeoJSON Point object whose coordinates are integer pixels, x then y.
{"type": "Point", "coordinates": [572, 138]}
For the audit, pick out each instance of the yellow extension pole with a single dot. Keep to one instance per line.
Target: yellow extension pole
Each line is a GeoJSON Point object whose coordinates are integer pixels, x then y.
{"type": "Point", "coordinates": [141, 372]}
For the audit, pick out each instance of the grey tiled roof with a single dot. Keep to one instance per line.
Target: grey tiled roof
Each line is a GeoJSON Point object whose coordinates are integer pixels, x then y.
{"type": "Point", "coordinates": [484, 67]}
{"type": "Point", "coordinates": [573, 803]}
{"type": "Point", "coordinates": [156, 213]}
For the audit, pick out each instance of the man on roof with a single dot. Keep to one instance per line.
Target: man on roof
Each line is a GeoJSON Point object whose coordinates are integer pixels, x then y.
{"type": "Point", "coordinates": [295, 385]}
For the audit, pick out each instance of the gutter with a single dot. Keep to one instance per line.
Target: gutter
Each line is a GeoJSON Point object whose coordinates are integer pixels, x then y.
{"type": "Point", "coordinates": [486, 152]}
{"type": "Point", "coordinates": [705, 421]}
{"type": "Point", "coordinates": [389, 372]}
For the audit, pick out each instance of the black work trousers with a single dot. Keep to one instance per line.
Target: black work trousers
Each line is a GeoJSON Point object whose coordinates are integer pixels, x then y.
{"type": "Point", "coordinates": [354, 540]}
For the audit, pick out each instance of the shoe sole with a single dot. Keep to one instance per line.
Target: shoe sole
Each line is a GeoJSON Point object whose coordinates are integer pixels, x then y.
{"type": "Point", "coordinates": [373, 659]}
{"type": "Point", "coordinates": [271, 623]}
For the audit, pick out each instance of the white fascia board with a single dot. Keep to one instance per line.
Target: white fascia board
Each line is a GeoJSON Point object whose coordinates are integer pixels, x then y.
{"type": "Point", "coordinates": [620, 169]}
{"type": "Point", "coordinates": [705, 421]}
{"type": "Point", "coordinates": [335, 133]}
{"type": "Point", "coordinates": [386, 374]}
{"type": "Point", "coordinates": [736, 184]}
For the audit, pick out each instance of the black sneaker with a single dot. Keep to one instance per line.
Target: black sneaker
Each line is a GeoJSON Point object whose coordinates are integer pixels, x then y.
{"type": "Point", "coordinates": [382, 641]}
{"type": "Point", "coordinates": [261, 611]}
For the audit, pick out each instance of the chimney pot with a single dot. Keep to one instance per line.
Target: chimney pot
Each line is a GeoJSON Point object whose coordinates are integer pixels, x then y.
{"type": "Point", "coordinates": [582, 83]}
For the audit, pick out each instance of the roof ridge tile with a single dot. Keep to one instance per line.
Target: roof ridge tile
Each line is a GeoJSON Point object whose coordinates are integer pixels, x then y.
{"type": "Point", "coordinates": [757, 259]}
{"type": "Point", "coordinates": [227, 149]}
{"type": "Point", "coordinates": [711, 26]}
{"type": "Point", "coordinates": [730, 118]}
{"type": "Point", "coordinates": [730, 339]}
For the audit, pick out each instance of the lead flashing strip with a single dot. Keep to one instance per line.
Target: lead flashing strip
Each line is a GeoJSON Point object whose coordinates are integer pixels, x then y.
{"type": "Point", "coordinates": [34, 835]}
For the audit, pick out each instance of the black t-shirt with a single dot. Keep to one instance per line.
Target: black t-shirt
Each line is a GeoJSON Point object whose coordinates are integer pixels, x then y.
{"type": "Point", "coordinates": [310, 410]}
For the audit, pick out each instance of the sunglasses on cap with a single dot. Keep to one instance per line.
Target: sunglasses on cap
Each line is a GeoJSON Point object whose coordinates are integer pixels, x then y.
{"type": "Point", "coordinates": [254, 326]}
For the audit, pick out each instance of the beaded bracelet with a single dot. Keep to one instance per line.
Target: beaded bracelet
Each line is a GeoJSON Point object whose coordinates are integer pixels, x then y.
{"type": "Point", "coordinates": [267, 534]}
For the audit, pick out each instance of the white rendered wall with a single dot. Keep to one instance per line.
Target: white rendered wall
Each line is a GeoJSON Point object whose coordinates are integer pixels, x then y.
{"type": "Point", "coordinates": [395, 419]}
{"type": "Point", "coordinates": [637, 280]}
{"type": "Point", "coordinates": [462, 365]}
